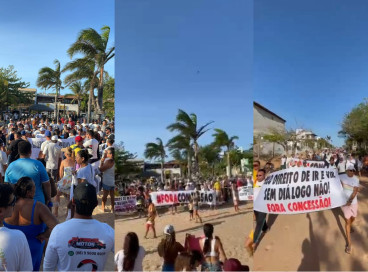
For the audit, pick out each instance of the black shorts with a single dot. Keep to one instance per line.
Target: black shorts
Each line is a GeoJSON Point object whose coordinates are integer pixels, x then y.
{"type": "Point", "coordinates": [191, 211]}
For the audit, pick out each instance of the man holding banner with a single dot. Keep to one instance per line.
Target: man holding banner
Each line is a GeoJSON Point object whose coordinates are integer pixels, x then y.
{"type": "Point", "coordinates": [261, 224]}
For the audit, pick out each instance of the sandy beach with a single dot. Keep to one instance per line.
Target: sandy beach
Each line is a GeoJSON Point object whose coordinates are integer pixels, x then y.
{"type": "Point", "coordinates": [231, 227]}
{"type": "Point", "coordinates": [315, 241]}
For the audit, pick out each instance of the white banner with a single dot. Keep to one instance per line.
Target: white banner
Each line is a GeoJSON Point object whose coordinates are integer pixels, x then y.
{"type": "Point", "coordinates": [163, 198]}
{"type": "Point", "coordinates": [295, 162]}
{"type": "Point", "coordinates": [300, 190]}
{"type": "Point", "coordinates": [37, 142]}
{"type": "Point", "coordinates": [245, 193]}
{"type": "Point", "coordinates": [125, 204]}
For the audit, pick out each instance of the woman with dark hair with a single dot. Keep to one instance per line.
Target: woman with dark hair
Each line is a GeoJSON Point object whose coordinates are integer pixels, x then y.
{"type": "Point", "coordinates": [31, 217]}
{"type": "Point", "coordinates": [211, 249]}
{"type": "Point", "coordinates": [14, 250]}
{"type": "Point", "coordinates": [85, 171]}
{"type": "Point", "coordinates": [169, 249]}
{"type": "Point", "coordinates": [130, 258]}
{"type": "Point", "coordinates": [107, 167]}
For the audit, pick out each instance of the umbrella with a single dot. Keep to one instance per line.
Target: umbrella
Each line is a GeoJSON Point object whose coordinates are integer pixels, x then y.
{"type": "Point", "coordinates": [40, 107]}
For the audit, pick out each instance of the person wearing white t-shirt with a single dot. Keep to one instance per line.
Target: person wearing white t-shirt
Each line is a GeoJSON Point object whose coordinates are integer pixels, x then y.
{"type": "Point", "coordinates": [53, 157]}
{"type": "Point", "coordinates": [92, 145]}
{"type": "Point", "coordinates": [3, 160]}
{"type": "Point", "coordinates": [350, 184]}
{"type": "Point", "coordinates": [82, 243]}
{"type": "Point", "coordinates": [15, 254]}
{"type": "Point", "coordinates": [43, 145]}
{"type": "Point", "coordinates": [85, 172]}
{"type": "Point", "coordinates": [260, 217]}
{"type": "Point", "coordinates": [131, 243]}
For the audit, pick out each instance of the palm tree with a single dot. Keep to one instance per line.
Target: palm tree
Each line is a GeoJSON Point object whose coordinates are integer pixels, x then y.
{"type": "Point", "coordinates": [93, 46]}
{"type": "Point", "coordinates": [156, 151]}
{"type": "Point", "coordinates": [222, 139]}
{"type": "Point", "coordinates": [181, 144]}
{"type": "Point", "coordinates": [49, 78]}
{"type": "Point", "coordinates": [83, 69]}
{"type": "Point", "coordinates": [78, 91]}
{"type": "Point", "coordinates": [186, 125]}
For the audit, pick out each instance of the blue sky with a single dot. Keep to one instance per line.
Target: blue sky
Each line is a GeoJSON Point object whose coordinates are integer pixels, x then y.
{"type": "Point", "coordinates": [193, 55]}
{"type": "Point", "coordinates": [35, 33]}
{"type": "Point", "coordinates": [311, 61]}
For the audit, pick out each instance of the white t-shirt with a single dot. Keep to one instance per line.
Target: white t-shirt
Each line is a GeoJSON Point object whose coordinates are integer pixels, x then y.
{"type": "Point", "coordinates": [79, 245]}
{"type": "Point", "coordinates": [87, 173]}
{"type": "Point", "coordinates": [283, 161]}
{"type": "Point", "coordinates": [350, 162]}
{"type": "Point", "coordinates": [3, 161]}
{"type": "Point", "coordinates": [43, 145]}
{"type": "Point", "coordinates": [52, 153]}
{"type": "Point", "coordinates": [92, 145]}
{"type": "Point", "coordinates": [119, 260]}
{"type": "Point", "coordinates": [257, 189]}
{"type": "Point", "coordinates": [348, 184]}
{"type": "Point", "coordinates": [14, 251]}
{"type": "Point", "coordinates": [341, 166]}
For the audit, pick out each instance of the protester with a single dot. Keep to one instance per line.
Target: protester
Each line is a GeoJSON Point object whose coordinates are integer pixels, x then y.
{"type": "Point", "coordinates": [72, 234]}
{"type": "Point", "coordinates": [15, 254]}
{"type": "Point", "coordinates": [130, 258]}
{"type": "Point", "coordinates": [107, 167]}
{"type": "Point", "coordinates": [31, 217]}
{"type": "Point", "coordinates": [169, 248]}
{"type": "Point", "coordinates": [151, 218]}
{"type": "Point", "coordinates": [196, 198]}
{"type": "Point", "coordinates": [350, 184]}
{"type": "Point", "coordinates": [67, 167]}
{"type": "Point", "coordinates": [260, 217]}
{"type": "Point", "coordinates": [211, 248]}
{"type": "Point", "coordinates": [27, 167]}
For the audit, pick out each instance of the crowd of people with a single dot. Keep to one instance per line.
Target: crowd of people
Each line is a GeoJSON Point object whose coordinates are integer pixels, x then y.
{"type": "Point", "coordinates": [225, 189]}
{"type": "Point", "coordinates": [347, 165]}
{"type": "Point", "coordinates": [75, 160]}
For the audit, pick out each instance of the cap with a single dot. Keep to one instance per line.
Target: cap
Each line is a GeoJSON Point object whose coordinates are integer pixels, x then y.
{"type": "Point", "coordinates": [234, 265]}
{"type": "Point", "coordinates": [350, 167]}
{"type": "Point", "coordinates": [43, 129]}
{"type": "Point", "coordinates": [23, 132]}
{"type": "Point", "coordinates": [78, 139]}
{"type": "Point", "coordinates": [169, 229]}
{"type": "Point", "coordinates": [54, 138]}
{"type": "Point", "coordinates": [47, 133]}
{"type": "Point", "coordinates": [85, 193]}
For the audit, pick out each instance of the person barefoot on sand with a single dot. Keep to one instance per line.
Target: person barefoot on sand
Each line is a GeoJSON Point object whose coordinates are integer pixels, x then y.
{"type": "Point", "coordinates": [169, 248]}
{"type": "Point", "coordinates": [350, 184]}
{"type": "Point", "coordinates": [151, 219]}
{"type": "Point", "coordinates": [196, 204]}
{"type": "Point", "coordinates": [211, 248]}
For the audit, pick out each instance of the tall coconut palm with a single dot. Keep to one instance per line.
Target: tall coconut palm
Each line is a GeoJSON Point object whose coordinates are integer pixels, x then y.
{"type": "Point", "coordinates": [93, 46]}
{"type": "Point", "coordinates": [179, 144]}
{"type": "Point", "coordinates": [156, 151]}
{"type": "Point", "coordinates": [78, 92]}
{"type": "Point", "coordinates": [186, 124]}
{"type": "Point", "coordinates": [50, 78]}
{"type": "Point", "coordinates": [222, 139]}
{"type": "Point", "coordinates": [83, 69]}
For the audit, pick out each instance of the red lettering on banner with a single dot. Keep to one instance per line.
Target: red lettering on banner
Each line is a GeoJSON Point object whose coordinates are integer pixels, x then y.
{"type": "Point", "coordinates": [276, 208]}
{"type": "Point", "coordinates": [309, 205]}
{"type": "Point", "coordinates": [171, 198]}
{"type": "Point", "coordinates": [159, 200]}
{"type": "Point", "coordinates": [167, 198]}
{"type": "Point", "coordinates": [175, 198]}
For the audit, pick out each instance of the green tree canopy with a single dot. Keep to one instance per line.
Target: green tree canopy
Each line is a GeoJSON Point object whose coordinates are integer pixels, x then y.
{"type": "Point", "coordinates": [10, 84]}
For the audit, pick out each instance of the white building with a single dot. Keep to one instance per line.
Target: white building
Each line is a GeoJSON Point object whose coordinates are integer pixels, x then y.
{"type": "Point", "coordinates": [266, 122]}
